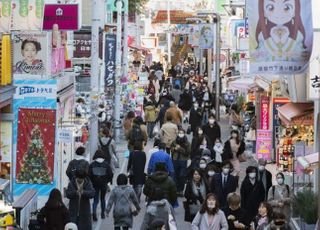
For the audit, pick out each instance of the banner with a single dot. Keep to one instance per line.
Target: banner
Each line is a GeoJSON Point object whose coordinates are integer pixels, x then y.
{"type": "Point", "coordinates": [66, 16]}
{"type": "Point", "coordinates": [6, 15]}
{"type": "Point", "coordinates": [31, 52]}
{"type": "Point", "coordinates": [281, 35]}
{"type": "Point", "coordinates": [35, 146]}
{"type": "Point", "coordinates": [276, 124]}
{"type": "Point", "coordinates": [264, 144]}
{"type": "Point", "coordinates": [110, 60]}
{"type": "Point", "coordinates": [5, 141]}
{"type": "Point", "coordinates": [264, 113]}
{"type": "Point", "coordinates": [206, 36]}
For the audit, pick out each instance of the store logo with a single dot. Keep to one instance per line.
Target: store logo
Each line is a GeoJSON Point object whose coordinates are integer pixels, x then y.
{"type": "Point", "coordinates": [26, 90]}
{"type": "Point", "coordinates": [59, 12]}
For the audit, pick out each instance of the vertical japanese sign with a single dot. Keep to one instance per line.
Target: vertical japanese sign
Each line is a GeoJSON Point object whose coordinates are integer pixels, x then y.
{"type": "Point", "coordinates": [277, 102]}
{"type": "Point", "coordinates": [280, 45]}
{"type": "Point", "coordinates": [110, 60]}
{"type": "Point", "coordinates": [264, 144]}
{"type": "Point", "coordinates": [314, 86]}
{"type": "Point", "coordinates": [264, 113]}
{"type": "Point", "coordinates": [35, 146]}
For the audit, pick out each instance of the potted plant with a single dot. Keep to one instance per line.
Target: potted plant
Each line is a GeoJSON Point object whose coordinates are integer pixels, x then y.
{"type": "Point", "coordinates": [306, 206]}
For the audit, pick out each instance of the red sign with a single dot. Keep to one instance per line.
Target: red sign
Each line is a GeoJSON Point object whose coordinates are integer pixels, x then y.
{"type": "Point", "coordinates": [264, 113]}
{"type": "Point", "coordinates": [65, 15]}
{"type": "Point", "coordinates": [35, 146]}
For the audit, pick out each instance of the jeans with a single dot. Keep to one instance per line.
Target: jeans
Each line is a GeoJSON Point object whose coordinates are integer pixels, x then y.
{"type": "Point", "coordinates": [150, 127]}
{"type": "Point", "coordinates": [123, 228]}
{"type": "Point", "coordinates": [102, 192]}
{"type": "Point", "coordinates": [180, 168]}
{"type": "Point", "coordinates": [138, 190]}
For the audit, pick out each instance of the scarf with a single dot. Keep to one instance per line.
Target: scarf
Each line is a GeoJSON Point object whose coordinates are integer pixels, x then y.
{"type": "Point", "coordinates": [218, 148]}
{"type": "Point", "coordinates": [202, 190]}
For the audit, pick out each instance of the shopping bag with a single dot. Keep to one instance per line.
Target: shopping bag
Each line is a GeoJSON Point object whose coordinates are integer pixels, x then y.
{"type": "Point", "coordinates": [251, 135]}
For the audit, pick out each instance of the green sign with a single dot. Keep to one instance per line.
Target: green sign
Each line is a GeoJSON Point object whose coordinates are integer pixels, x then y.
{"type": "Point", "coordinates": [219, 7]}
{"type": "Point", "coordinates": [112, 5]}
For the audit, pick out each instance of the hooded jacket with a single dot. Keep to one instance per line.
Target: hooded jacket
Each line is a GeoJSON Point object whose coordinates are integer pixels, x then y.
{"type": "Point", "coordinates": [100, 173]}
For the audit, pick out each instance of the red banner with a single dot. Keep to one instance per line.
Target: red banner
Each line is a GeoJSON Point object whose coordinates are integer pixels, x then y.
{"type": "Point", "coordinates": [264, 113]}
{"type": "Point", "coordinates": [35, 146]}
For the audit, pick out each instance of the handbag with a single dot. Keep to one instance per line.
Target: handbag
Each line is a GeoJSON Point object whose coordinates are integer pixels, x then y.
{"type": "Point", "coordinates": [189, 129]}
{"type": "Point", "coordinates": [242, 157]}
{"type": "Point", "coordinates": [133, 209]}
{"type": "Point", "coordinates": [251, 135]}
{"type": "Point", "coordinates": [194, 208]}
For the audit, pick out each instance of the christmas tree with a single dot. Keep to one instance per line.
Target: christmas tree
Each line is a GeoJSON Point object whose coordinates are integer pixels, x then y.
{"type": "Point", "coordinates": [34, 164]}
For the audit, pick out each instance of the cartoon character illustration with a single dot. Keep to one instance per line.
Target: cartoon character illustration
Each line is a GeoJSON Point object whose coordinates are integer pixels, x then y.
{"type": "Point", "coordinates": [280, 33]}
{"type": "Point", "coordinates": [30, 64]}
{"type": "Point", "coordinates": [206, 38]}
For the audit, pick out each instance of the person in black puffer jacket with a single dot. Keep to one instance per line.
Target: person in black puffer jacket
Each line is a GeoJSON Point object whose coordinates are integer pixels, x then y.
{"type": "Point", "coordinates": [100, 174]}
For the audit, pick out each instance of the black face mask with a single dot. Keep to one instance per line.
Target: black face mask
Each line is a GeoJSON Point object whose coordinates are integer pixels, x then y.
{"type": "Point", "coordinates": [279, 222]}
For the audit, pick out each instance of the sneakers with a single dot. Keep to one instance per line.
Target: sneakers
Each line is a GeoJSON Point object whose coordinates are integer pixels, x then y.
{"type": "Point", "coordinates": [94, 217]}
{"type": "Point", "coordinates": [103, 216]}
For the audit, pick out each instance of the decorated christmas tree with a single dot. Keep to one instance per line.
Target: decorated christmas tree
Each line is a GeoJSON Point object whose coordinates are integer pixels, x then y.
{"type": "Point", "coordinates": [34, 164]}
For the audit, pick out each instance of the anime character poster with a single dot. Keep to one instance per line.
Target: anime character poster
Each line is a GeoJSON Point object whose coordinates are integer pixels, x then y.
{"type": "Point", "coordinates": [206, 36]}
{"type": "Point", "coordinates": [35, 146]}
{"type": "Point", "coordinates": [281, 36]}
{"type": "Point", "coordinates": [31, 55]}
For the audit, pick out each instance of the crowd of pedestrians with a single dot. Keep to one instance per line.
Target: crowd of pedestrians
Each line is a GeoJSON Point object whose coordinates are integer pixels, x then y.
{"type": "Point", "coordinates": [203, 171]}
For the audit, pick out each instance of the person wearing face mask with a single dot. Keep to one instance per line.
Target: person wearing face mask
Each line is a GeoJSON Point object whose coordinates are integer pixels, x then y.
{"type": "Point", "coordinates": [195, 194]}
{"type": "Point", "coordinates": [264, 175]}
{"type": "Point", "coordinates": [279, 222]}
{"type": "Point", "coordinates": [203, 165]}
{"type": "Point", "coordinates": [233, 148]}
{"type": "Point", "coordinates": [252, 192]}
{"type": "Point", "coordinates": [205, 112]}
{"type": "Point", "coordinates": [195, 117]}
{"type": "Point", "coordinates": [211, 170]}
{"type": "Point", "coordinates": [212, 129]}
{"type": "Point", "coordinates": [210, 217]}
{"type": "Point", "coordinates": [199, 142]}
{"type": "Point", "coordinates": [180, 152]}
{"type": "Point", "coordinates": [280, 196]}
{"type": "Point", "coordinates": [218, 151]}
{"type": "Point", "coordinates": [264, 217]}
{"type": "Point", "coordinates": [224, 183]}
{"type": "Point", "coordinates": [185, 103]}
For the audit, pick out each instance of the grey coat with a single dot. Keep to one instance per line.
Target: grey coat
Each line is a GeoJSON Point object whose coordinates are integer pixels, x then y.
{"type": "Point", "coordinates": [200, 222]}
{"type": "Point", "coordinates": [123, 198]}
{"type": "Point", "coordinates": [79, 207]}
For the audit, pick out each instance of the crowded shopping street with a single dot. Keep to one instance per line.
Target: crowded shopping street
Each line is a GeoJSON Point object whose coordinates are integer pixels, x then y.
{"type": "Point", "coordinates": [159, 115]}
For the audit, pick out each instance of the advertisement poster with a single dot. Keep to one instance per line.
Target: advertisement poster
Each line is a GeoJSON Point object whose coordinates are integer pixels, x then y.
{"type": "Point", "coordinates": [206, 36]}
{"type": "Point", "coordinates": [194, 36]}
{"type": "Point", "coordinates": [264, 113]}
{"type": "Point", "coordinates": [277, 102]}
{"type": "Point", "coordinates": [6, 13]}
{"type": "Point", "coordinates": [30, 54]}
{"type": "Point", "coordinates": [110, 60]}
{"type": "Point", "coordinates": [66, 16]}
{"type": "Point", "coordinates": [35, 146]}
{"type": "Point", "coordinates": [280, 45]}
{"type": "Point", "coordinates": [27, 14]}
{"type": "Point", "coordinates": [264, 144]}
{"type": "Point", "coordinates": [5, 141]}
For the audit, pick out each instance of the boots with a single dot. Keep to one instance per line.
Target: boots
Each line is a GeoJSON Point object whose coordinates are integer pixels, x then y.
{"type": "Point", "coordinates": [94, 217]}
{"type": "Point", "coordinates": [103, 216]}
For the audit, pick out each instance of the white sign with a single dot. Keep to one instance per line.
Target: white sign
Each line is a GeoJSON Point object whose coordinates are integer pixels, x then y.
{"type": "Point", "coordinates": [35, 89]}
{"type": "Point", "coordinates": [241, 32]}
{"type": "Point", "coordinates": [5, 141]}
{"type": "Point", "coordinates": [65, 136]}
{"type": "Point", "coordinates": [314, 80]}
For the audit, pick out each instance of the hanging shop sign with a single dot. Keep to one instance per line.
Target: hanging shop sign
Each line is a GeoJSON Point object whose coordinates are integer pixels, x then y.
{"type": "Point", "coordinates": [280, 45]}
{"type": "Point", "coordinates": [35, 146]}
{"type": "Point", "coordinates": [66, 16]}
{"type": "Point", "coordinates": [34, 89]}
{"type": "Point", "coordinates": [65, 136]}
{"type": "Point", "coordinates": [314, 86]}
{"type": "Point", "coordinates": [31, 55]}
{"type": "Point", "coordinates": [264, 113]}
{"type": "Point", "coordinates": [206, 36]}
{"type": "Point", "coordinates": [264, 144]}
{"type": "Point", "coordinates": [110, 60]}
{"type": "Point", "coordinates": [149, 42]}
{"type": "Point", "coordinates": [5, 141]}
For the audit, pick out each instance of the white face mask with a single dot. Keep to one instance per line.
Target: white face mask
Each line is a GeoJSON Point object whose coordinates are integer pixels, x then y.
{"type": "Point", "coordinates": [211, 173]}
{"type": "Point", "coordinates": [200, 132]}
{"type": "Point", "coordinates": [225, 171]}
{"type": "Point", "coordinates": [181, 135]}
{"type": "Point", "coordinates": [203, 165]}
{"type": "Point", "coordinates": [252, 175]}
{"type": "Point", "coordinates": [280, 181]}
{"type": "Point", "coordinates": [261, 167]}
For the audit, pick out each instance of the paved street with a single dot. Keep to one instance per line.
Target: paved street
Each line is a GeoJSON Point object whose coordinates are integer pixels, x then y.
{"type": "Point", "coordinates": [179, 212]}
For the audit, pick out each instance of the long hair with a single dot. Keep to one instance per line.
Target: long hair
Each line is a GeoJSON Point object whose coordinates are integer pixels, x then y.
{"type": "Point", "coordinates": [55, 199]}
{"type": "Point", "coordinates": [238, 136]}
{"type": "Point", "coordinates": [264, 25]}
{"type": "Point", "coordinates": [204, 207]}
{"type": "Point", "coordinates": [269, 210]}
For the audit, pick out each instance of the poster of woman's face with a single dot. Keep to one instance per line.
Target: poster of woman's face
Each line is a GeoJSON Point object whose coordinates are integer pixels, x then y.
{"type": "Point", "coordinates": [30, 55]}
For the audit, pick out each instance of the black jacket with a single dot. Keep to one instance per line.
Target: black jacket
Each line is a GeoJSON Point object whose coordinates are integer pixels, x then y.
{"type": "Point", "coordinates": [76, 164]}
{"type": "Point", "coordinates": [136, 163]}
{"type": "Point", "coordinates": [54, 217]}
{"type": "Point", "coordinates": [195, 118]}
{"type": "Point", "coordinates": [213, 132]}
{"type": "Point", "coordinates": [185, 101]}
{"type": "Point", "coordinates": [251, 197]}
{"type": "Point", "coordinates": [239, 214]}
{"type": "Point", "coordinates": [268, 182]}
{"type": "Point", "coordinates": [104, 170]}
{"type": "Point", "coordinates": [195, 144]}
{"type": "Point", "coordinates": [227, 152]}
{"type": "Point", "coordinates": [222, 192]}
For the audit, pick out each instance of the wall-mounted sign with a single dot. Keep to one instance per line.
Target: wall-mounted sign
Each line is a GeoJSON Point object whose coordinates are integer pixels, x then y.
{"type": "Point", "coordinates": [65, 136]}
{"type": "Point", "coordinates": [110, 60]}
{"type": "Point", "coordinates": [264, 113]}
{"type": "Point", "coordinates": [35, 89]}
{"type": "Point", "coordinates": [264, 144]}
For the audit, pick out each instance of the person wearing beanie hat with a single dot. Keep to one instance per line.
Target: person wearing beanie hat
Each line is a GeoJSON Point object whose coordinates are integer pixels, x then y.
{"type": "Point", "coordinates": [79, 162]}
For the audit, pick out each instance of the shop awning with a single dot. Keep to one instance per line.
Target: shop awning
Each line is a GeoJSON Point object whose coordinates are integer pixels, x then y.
{"type": "Point", "coordinates": [242, 84]}
{"type": "Point", "coordinates": [296, 113]}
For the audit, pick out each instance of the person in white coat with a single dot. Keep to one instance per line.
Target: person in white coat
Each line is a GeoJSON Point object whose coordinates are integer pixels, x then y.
{"type": "Point", "coordinates": [210, 217]}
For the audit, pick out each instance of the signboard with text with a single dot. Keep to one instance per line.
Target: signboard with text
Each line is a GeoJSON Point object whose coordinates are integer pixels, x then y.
{"type": "Point", "coordinates": [110, 60]}
{"type": "Point", "coordinates": [65, 15]}
{"type": "Point", "coordinates": [264, 144]}
{"type": "Point", "coordinates": [264, 113]}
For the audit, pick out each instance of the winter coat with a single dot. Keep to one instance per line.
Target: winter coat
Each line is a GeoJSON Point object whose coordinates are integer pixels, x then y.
{"type": "Point", "coordinates": [162, 112]}
{"type": "Point", "coordinates": [79, 207]}
{"type": "Point", "coordinates": [240, 216]}
{"type": "Point", "coordinates": [176, 115]}
{"type": "Point", "coordinates": [268, 182]}
{"type": "Point", "coordinates": [185, 102]}
{"type": "Point", "coordinates": [78, 163]}
{"type": "Point", "coordinates": [183, 151]}
{"type": "Point", "coordinates": [281, 193]}
{"type": "Point", "coordinates": [195, 145]}
{"type": "Point", "coordinates": [161, 180]}
{"type": "Point", "coordinates": [54, 217]}
{"type": "Point", "coordinates": [176, 95]}
{"type": "Point", "coordinates": [160, 156]}
{"type": "Point", "coordinates": [220, 191]}
{"type": "Point", "coordinates": [100, 173]}
{"type": "Point", "coordinates": [123, 198]}
{"type": "Point", "coordinates": [150, 113]}
{"type": "Point", "coordinates": [227, 152]}
{"type": "Point", "coordinates": [251, 197]}
{"type": "Point", "coordinates": [200, 222]}
{"type": "Point", "coordinates": [136, 165]}
{"type": "Point", "coordinates": [168, 133]}
{"type": "Point", "coordinates": [195, 119]}
{"type": "Point", "coordinates": [157, 210]}
{"type": "Point", "coordinates": [213, 132]}
{"type": "Point", "coordinates": [127, 124]}
{"type": "Point", "coordinates": [112, 149]}
{"type": "Point", "coordinates": [144, 137]}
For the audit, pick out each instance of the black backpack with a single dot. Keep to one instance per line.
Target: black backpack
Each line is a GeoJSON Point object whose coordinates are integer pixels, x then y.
{"type": "Point", "coordinates": [105, 149]}
{"type": "Point", "coordinates": [136, 134]}
{"type": "Point", "coordinates": [100, 172]}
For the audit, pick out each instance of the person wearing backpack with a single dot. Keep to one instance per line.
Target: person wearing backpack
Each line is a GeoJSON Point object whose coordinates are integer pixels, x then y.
{"type": "Point", "coordinates": [138, 133]}
{"type": "Point", "coordinates": [100, 174]}
{"type": "Point", "coordinates": [280, 196]}
{"type": "Point", "coordinates": [108, 147]}
{"type": "Point", "coordinates": [125, 203]}
{"type": "Point", "coordinates": [79, 163]}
